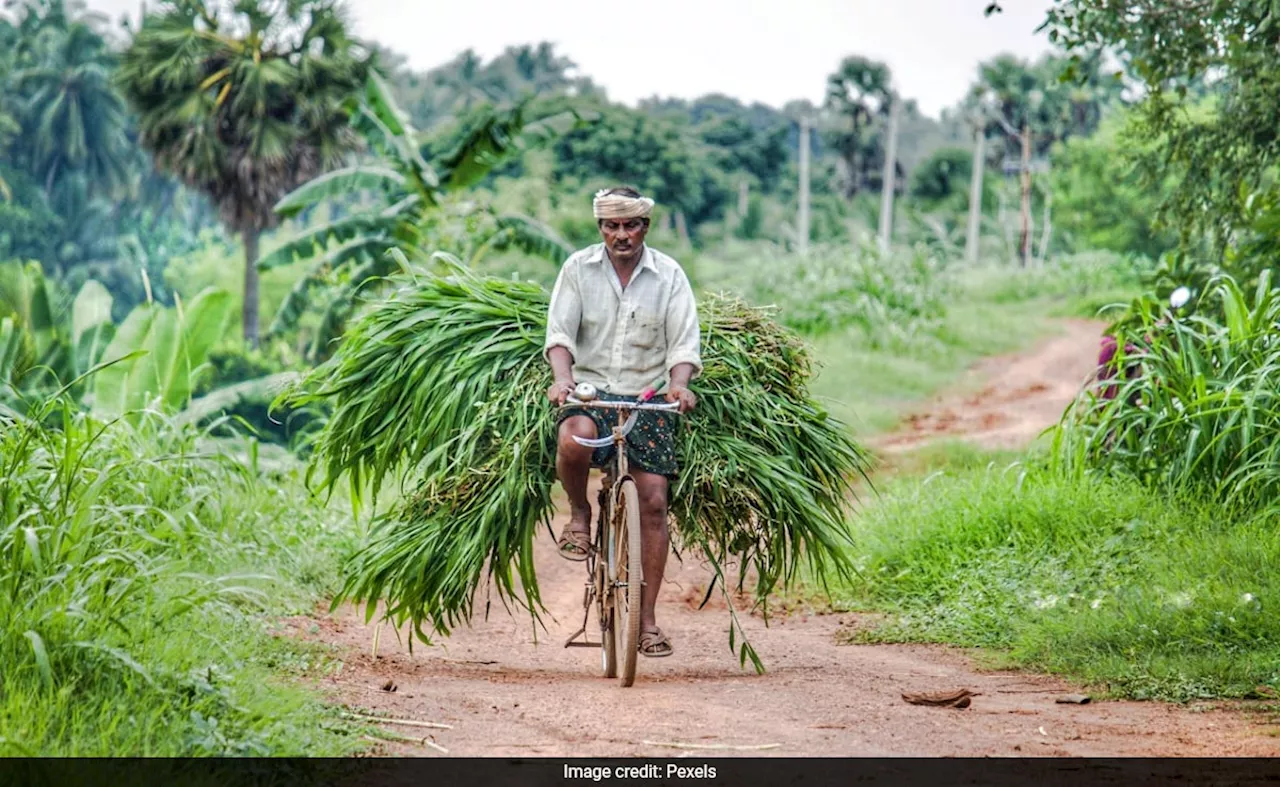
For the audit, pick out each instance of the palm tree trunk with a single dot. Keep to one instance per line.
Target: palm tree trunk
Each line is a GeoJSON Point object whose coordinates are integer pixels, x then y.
{"type": "Point", "coordinates": [249, 312]}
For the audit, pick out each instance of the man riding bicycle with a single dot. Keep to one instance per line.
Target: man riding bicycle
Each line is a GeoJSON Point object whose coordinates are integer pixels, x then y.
{"type": "Point", "coordinates": [622, 318]}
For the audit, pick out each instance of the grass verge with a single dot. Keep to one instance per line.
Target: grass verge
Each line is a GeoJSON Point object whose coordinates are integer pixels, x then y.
{"type": "Point", "coordinates": [1094, 578]}
{"type": "Point", "coordinates": [140, 565]}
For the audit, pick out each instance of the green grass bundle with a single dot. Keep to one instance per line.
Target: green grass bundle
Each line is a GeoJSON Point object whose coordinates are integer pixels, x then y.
{"type": "Point", "coordinates": [442, 387]}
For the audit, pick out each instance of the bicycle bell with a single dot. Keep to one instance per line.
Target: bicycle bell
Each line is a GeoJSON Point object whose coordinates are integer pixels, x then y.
{"type": "Point", "coordinates": [585, 392]}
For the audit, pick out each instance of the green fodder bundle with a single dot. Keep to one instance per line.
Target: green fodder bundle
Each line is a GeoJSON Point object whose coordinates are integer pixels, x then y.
{"type": "Point", "coordinates": [1197, 402]}
{"type": "Point", "coordinates": [442, 387]}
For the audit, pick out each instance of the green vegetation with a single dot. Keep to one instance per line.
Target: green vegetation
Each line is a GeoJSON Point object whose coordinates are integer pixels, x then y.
{"type": "Point", "coordinates": [154, 522]}
{"type": "Point", "coordinates": [137, 565]}
{"type": "Point", "coordinates": [1097, 577]}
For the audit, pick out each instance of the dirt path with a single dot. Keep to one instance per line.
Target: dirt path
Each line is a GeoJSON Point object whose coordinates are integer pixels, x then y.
{"type": "Point", "coordinates": [506, 695]}
{"type": "Point", "coordinates": [1016, 396]}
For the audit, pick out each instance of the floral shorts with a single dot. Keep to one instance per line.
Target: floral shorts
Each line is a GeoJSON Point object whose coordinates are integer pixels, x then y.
{"type": "Point", "coordinates": [651, 444]}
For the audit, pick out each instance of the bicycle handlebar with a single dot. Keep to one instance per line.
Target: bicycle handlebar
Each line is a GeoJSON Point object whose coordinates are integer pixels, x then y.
{"type": "Point", "coordinates": [664, 407]}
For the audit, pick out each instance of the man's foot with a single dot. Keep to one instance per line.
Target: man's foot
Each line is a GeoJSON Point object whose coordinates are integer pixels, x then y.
{"type": "Point", "coordinates": [655, 644]}
{"type": "Point", "coordinates": [575, 542]}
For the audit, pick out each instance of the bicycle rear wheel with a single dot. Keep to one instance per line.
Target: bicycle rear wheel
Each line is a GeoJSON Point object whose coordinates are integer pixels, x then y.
{"type": "Point", "coordinates": [628, 579]}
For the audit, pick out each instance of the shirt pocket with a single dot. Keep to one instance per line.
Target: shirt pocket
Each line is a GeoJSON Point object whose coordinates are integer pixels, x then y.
{"type": "Point", "coordinates": [646, 329]}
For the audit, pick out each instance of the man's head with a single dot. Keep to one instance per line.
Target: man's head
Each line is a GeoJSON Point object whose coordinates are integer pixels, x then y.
{"type": "Point", "coordinates": [622, 216]}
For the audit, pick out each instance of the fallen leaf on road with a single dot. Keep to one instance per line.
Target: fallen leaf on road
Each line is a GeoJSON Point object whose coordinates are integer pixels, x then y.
{"type": "Point", "coordinates": [956, 698]}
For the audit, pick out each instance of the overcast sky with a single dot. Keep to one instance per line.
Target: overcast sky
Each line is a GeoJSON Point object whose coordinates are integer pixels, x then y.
{"type": "Point", "coordinates": [755, 50]}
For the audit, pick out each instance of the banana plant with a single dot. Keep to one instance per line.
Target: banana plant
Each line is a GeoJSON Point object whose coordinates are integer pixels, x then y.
{"type": "Point", "coordinates": [45, 341]}
{"type": "Point", "coordinates": [175, 343]}
{"type": "Point", "coordinates": [416, 198]}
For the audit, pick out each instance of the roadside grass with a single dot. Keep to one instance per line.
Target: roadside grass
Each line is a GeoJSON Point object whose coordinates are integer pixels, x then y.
{"type": "Point", "coordinates": [140, 565]}
{"type": "Point", "coordinates": [870, 387]}
{"type": "Point", "coordinates": [1097, 578]}
{"type": "Point", "coordinates": [869, 381]}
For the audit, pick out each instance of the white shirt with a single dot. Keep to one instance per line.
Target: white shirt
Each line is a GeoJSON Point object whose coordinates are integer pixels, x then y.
{"type": "Point", "coordinates": [623, 340]}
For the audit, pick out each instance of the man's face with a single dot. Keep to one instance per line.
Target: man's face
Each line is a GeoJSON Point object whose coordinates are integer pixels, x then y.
{"type": "Point", "coordinates": [623, 238]}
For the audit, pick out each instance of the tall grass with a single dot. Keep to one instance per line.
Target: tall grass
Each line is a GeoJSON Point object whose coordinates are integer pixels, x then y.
{"type": "Point", "coordinates": [1202, 410]}
{"type": "Point", "coordinates": [891, 299]}
{"type": "Point", "coordinates": [1103, 579]}
{"type": "Point", "coordinates": [1076, 285]}
{"type": "Point", "coordinates": [136, 566]}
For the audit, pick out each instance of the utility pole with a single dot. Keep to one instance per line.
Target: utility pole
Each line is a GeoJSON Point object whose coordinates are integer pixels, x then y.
{"type": "Point", "coordinates": [1024, 246]}
{"type": "Point", "coordinates": [890, 177]}
{"type": "Point", "coordinates": [802, 224]}
{"type": "Point", "coordinates": [975, 196]}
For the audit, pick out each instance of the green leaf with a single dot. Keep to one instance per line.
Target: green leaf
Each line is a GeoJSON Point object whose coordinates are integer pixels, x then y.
{"type": "Point", "coordinates": [111, 385]}
{"type": "Point", "coordinates": [532, 237]}
{"type": "Point", "coordinates": [229, 396]}
{"type": "Point", "coordinates": [42, 657]}
{"type": "Point", "coordinates": [340, 183]}
{"type": "Point", "coordinates": [91, 308]}
{"type": "Point", "coordinates": [176, 343]}
{"type": "Point", "coordinates": [201, 327]}
{"type": "Point", "coordinates": [313, 242]}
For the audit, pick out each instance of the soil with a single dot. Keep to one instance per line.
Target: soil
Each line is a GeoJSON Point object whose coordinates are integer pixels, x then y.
{"type": "Point", "coordinates": [509, 689]}
{"type": "Point", "coordinates": [1006, 401]}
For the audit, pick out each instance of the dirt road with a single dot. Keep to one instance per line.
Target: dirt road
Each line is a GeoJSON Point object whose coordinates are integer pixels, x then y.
{"type": "Point", "coordinates": [505, 695]}
{"type": "Point", "coordinates": [1006, 401]}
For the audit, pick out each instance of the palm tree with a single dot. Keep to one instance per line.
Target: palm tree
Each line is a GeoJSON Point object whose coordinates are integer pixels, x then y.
{"type": "Point", "coordinates": [469, 81]}
{"type": "Point", "coordinates": [413, 194]}
{"type": "Point", "coordinates": [73, 119]}
{"type": "Point", "coordinates": [858, 94]}
{"type": "Point", "coordinates": [245, 105]}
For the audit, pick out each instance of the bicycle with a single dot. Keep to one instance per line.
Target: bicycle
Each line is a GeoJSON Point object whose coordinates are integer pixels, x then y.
{"type": "Point", "coordinates": [615, 576]}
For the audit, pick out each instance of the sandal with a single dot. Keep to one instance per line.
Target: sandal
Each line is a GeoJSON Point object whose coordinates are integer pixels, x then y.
{"type": "Point", "coordinates": [574, 545]}
{"type": "Point", "coordinates": [655, 644]}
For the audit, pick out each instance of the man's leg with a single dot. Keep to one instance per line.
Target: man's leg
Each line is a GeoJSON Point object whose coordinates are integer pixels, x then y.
{"type": "Point", "coordinates": [573, 465]}
{"type": "Point", "coordinates": [655, 544]}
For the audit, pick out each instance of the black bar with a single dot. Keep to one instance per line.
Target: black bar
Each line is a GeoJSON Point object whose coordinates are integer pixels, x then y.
{"type": "Point", "coordinates": [691, 770]}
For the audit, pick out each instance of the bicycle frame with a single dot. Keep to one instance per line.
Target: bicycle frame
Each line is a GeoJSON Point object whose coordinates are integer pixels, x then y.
{"type": "Point", "coordinates": [598, 585]}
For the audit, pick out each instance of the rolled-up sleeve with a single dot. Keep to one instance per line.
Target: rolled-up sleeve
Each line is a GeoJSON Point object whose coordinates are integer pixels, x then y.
{"type": "Point", "coordinates": [564, 313]}
{"type": "Point", "coordinates": [684, 342]}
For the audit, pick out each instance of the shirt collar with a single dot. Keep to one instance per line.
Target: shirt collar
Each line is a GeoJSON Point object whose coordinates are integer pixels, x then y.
{"type": "Point", "coordinates": [598, 254]}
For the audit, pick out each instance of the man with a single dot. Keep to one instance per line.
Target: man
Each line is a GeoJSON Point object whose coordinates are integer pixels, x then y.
{"type": "Point", "coordinates": [623, 318]}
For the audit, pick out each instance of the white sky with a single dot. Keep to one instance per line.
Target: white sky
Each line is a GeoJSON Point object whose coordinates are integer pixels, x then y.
{"type": "Point", "coordinates": [771, 51]}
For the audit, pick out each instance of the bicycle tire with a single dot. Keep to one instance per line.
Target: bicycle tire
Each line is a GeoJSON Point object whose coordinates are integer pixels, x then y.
{"type": "Point", "coordinates": [608, 642]}
{"type": "Point", "coordinates": [603, 590]}
{"type": "Point", "coordinates": [626, 567]}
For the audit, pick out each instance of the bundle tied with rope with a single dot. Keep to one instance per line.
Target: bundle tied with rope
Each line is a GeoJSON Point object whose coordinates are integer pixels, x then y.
{"type": "Point", "coordinates": [441, 388]}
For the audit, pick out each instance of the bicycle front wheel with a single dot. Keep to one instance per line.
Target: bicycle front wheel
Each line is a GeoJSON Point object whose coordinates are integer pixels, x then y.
{"type": "Point", "coordinates": [628, 578]}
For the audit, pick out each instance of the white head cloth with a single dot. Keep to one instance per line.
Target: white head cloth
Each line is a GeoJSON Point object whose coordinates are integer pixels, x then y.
{"type": "Point", "coordinates": [618, 206]}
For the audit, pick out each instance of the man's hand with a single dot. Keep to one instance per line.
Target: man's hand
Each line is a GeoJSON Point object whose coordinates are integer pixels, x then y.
{"type": "Point", "coordinates": [559, 392]}
{"type": "Point", "coordinates": [686, 398]}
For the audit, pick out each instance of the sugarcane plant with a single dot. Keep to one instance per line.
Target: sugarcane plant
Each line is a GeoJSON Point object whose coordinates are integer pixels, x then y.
{"type": "Point", "coordinates": [414, 198]}
{"type": "Point", "coordinates": [440, 388]}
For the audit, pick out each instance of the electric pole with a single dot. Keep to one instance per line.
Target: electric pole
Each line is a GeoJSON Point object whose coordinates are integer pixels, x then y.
{"type": "Point", "coordinates": [802, 228]}
{"type": "Point", "coordinates": [975, 195]}
{"type": "Point", "coordinates": [890, 177]}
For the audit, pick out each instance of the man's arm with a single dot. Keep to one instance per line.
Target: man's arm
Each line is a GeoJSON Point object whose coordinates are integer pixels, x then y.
{"type": "Point", "coordinates": [684, 343]}
{"type": "Point", "coordinates": [562, 368]}
{"type": "Point", "coordinates": [563, 316]}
